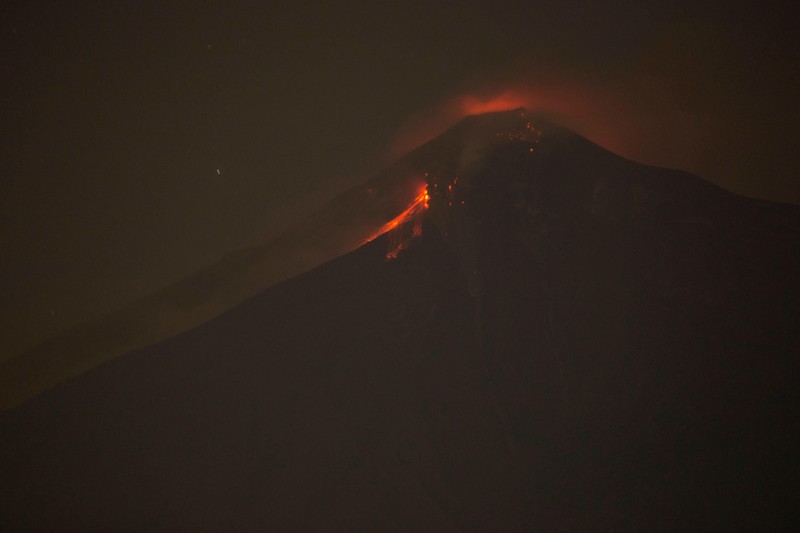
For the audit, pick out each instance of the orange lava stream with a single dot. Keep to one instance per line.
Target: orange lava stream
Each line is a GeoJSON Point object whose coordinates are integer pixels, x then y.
{"type": "Point", "coordinates": [419, 204]}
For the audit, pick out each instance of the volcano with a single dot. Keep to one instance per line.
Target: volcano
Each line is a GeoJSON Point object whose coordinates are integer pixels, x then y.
{"type": "Point", "coordinates": [543, 336]}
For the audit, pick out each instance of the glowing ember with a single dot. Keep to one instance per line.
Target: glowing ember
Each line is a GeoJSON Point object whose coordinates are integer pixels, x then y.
{"type": "Point", "coordinates": [445, 189]}
{"type": "Point", "coordinates": [405, 226]}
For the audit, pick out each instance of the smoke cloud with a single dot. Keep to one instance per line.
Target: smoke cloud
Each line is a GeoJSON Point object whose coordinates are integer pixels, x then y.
{"type": "Point", "coordinates": [715, 106]}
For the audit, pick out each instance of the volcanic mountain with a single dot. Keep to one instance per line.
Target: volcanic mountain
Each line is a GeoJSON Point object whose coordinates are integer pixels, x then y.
{"type": "Point", "coordinates": [546, 337]}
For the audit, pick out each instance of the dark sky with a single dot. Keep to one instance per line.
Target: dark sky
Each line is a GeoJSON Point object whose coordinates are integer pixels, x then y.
{"type": "Point", "coordinates": [142, 141]}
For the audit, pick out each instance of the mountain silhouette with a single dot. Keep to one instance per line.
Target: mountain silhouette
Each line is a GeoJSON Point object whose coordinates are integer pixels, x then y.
{"type": "Point", "coordinates": [557, 339]}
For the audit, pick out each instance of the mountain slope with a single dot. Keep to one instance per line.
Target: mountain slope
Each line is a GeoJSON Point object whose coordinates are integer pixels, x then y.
{"type": "Point", "coordinates": [337, 228]}
{"type": "Point", "coordinates": [584, 343]}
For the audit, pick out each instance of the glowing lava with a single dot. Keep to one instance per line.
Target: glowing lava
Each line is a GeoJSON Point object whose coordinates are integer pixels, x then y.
{"type": "Point", "coordinates": [474, 105]}
{"type": "Point", "coordinates": [403, 228]}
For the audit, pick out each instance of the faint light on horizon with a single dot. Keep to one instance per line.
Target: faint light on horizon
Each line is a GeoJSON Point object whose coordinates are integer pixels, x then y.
{"type": "Point", "coordinates": [473, 105]}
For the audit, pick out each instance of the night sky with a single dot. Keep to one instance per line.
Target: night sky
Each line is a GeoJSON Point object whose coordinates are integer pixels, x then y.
{"type": "Point", "coordinates": [142, 141]}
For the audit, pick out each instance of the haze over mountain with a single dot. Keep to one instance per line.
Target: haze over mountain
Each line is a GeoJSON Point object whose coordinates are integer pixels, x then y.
{"type": "Point", "coordinates": [145, 141]}
{"type": "Point", "coordinates": [339, 227]}
{"type": "Point", "coordinates": [555, 337]}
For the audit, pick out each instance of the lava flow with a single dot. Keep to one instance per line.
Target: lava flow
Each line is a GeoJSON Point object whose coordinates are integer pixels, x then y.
{"type": "Point", "coordinates": [404, 227]}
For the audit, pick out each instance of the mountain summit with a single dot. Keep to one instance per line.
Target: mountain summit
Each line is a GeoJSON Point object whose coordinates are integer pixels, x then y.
{"type": "Point", "coordinates": [543, 336]}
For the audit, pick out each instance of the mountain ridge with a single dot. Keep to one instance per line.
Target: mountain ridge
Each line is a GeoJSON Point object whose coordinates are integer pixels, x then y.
{"type": "Point", "coordinates": [584, 343]}
{"type": "Point", "coordinates": [329, 232]}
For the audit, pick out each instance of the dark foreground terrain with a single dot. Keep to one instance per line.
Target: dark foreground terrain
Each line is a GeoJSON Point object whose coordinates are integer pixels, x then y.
{"type": "Point", "coordinates": [584, 343]}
